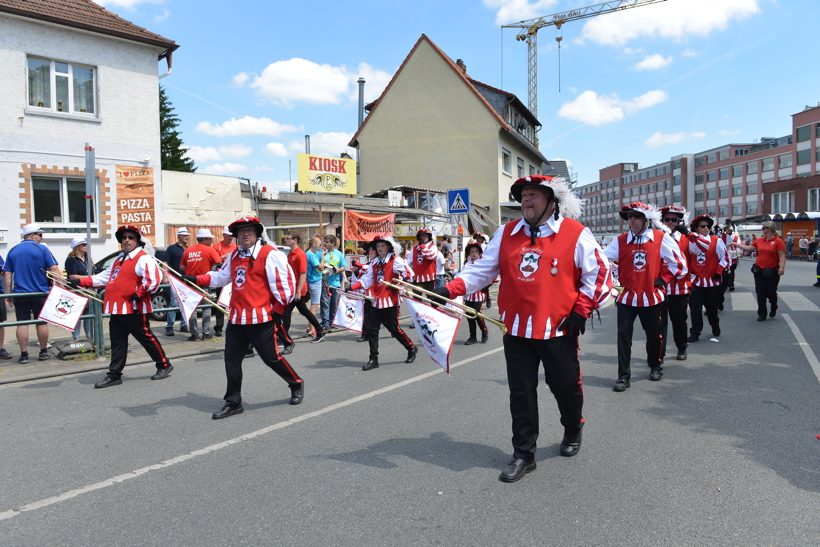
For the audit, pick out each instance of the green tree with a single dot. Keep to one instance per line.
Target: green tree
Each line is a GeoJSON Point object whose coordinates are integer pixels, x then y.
{"type": "Point", "coordinates": [173, 153]}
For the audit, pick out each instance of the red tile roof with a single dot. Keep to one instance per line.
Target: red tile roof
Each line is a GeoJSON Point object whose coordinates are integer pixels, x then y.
{"type": "Point", "coordinates": [86, 15]}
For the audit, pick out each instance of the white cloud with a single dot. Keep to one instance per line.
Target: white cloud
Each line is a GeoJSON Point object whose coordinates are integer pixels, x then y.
{"type": "Point", "coordinates": [260, 168]}
{"type": "Point", "coordinates": [277, 150]}
{"type": "Point", "coordinates": [690, 53]}
{"type": "Point", "coordinates": [653, 62]}
{"type": "Point", "coordinates": [725, 132]}
{"type": "Point", "coordinates": [299, 80]}
{"type": "Point", "coordinates": [511, 11]}
{"type": "Point", "coordinates": [245, 126]}
{"type": "Point", "coordinates": [236, 150]}
{"type": "Point", "coordinates": [670, 20]}
{"type": "Point", "coordinates": [200, 154]}
{"type": "Point", "coordinates": [326, 144]}
{"type": "Point", "coordinates": [225, 168]}
{"type": "Point", "coordinates": [166, 13]}
{"type": "Point", "coordinates": [592, 109]}
{"type": "Point", "coordinates": [240, 79]}
{"type": "Point", "coordinates": [662, 139]}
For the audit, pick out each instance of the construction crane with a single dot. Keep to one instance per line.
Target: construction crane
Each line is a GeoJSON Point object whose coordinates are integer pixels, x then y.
{"type": "Point", "coordinates": [530, 28]}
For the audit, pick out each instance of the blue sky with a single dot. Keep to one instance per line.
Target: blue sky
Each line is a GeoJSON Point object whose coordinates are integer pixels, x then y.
{"type": "Point", "coordinates": [252, 78]}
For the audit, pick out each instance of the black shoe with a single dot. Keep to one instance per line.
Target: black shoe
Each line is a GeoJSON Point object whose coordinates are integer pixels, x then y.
{"type": "Point", "coordinates": [193, 338]}
{"type": "Point", "coordinates": [731, 289]}
{"type": "Point", "coordinates": [319, 336]}
{"type": "Point", "coordinates": [694, 337]}
{"type": "Point", "coordinates": [163, 373]}
{"type": "Point", "coordinates": [297, 393]}
{"type": "Point", "coordinates": [470, 341]}
{"type": "Point", "coordinates": [411, 355]}
{"type": "Point", "coordinates": [655, 375]}
{"type": "Point", "coordinates": [228, 410]}
{"type": "Point", "coordinates": [681, 355]}
{"type": "Point", "coordinates": [363, 339]}
{"type": "Point", "coordinates": [816, 284]}
{"type": "Point", "coordinates": [621, 385]}
{"type": "Point", "coordinates": [207, 336]}
{"type": "Point", "coordinates": [485, 336]}
{"type": "Point", "coordinates": [249, 353]}
{"type": "Point", "coordinates": [287, 350]}
{"type": "Point", "coordinates": [108, 381]}
{"type": "Point", "coordinates": [23, 359]}
{"type": "Point", "coordinates": [169, 331]}
{"type": "Point", "coordinates": [412, 325]}
{"type": "Point", "coordinates": [571, 444]}
{"type": "Point", "coordinates": [761, 317]}
{"type": "Point", "coordinates": [489, 302]}
{"type": "Point", "coordinates": [44, 355]}
{"type": "Point", "coordinates": [516, 469]}
{"type": "Point", "coordinates": [217, 333]}
{"type": "Point", "coordinates": [771, 313]}
{"type": "Point", "coordinates": [371, 364]}
{"type": "Point", "coordinates": [184, 329]}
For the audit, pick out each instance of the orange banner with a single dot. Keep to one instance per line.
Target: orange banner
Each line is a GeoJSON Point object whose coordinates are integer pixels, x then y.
{"type": "Point", "coordinates": [362, 227]}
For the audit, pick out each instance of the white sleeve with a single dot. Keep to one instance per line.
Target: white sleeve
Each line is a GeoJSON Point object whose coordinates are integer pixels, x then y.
{"type": "Point", "coordinates": [146, 267]}
{"type": "Point", "coordinates": [596, 278]}
{"type": "Point", "coordinates": [222, 276]}
{"type": "Point", "coordinates": [672, 255]}
{"type": "Point", "coordinates": [612, 250]}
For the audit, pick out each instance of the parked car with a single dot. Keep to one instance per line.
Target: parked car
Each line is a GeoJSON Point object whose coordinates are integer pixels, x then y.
{"type": "Point", "coordinates": [161, 299]}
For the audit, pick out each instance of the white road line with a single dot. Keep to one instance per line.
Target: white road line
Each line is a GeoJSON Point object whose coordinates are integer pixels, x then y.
{"type": "Point", "coordinates": [242, 438]}
{"type": "Point", "coordinates": [798, 302]}
{"type": "Point", "coordinates": [743, 301]}
{"type": "Point", "coordinates": [801, 341]}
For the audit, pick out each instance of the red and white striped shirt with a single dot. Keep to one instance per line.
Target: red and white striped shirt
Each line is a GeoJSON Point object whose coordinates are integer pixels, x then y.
{"type": "Point", "coordinates": [133, 273]}
{"type": "Point", "coordinates": [679, 285]}
{"type": "Point", "coordinates": [707, 256]}
{"type": "Point", "coordinates": [387, 269]}
{"type": "Point", "coordinates": [422, 260]}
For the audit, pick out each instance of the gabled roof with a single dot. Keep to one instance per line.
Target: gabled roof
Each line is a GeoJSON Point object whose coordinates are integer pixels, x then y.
{"type": "Point", "coordinates": [372, 107]}
{"type": "Point", "coordinates": [85, 15]}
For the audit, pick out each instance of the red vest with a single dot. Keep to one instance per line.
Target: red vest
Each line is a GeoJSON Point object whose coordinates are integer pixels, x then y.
{"type": "Point", "coordinates": [682, 285]}
{"type": "Point", "coordinates": [532, 300]}
{"type": "Point", "coordinates": [385, 296]}
{"type": "Point", "coordinates": [638, 268]}
{"type": "Point", "coordinates": [252, 301]}
{"type": "Point", "coordinates": [703, 265]}
{"type": "Point", "coordinates": [424, 268]}
{"type": "Point", "coordinates": [122, 285]}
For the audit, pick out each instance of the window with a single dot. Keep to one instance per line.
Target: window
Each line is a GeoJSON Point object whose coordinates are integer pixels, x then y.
{"type": "Point", "coordinates": [698, 212]}
{"type": "Point", "coordinates": [768, 164]}
{"type": "Point", "coordinates": [751, 208]}
{"type": "Point", "coordinates": [699, 179]}
{"type": "Point", "coordinates": [785, 160]}
{"type": "Point", "coordinates": [698, 196]}
{"type": "Point", "coordinates": [724, 173]}
{"type": "Point", "coordinates": [782, 202]}
{"type": "Point", "coordinates": [724, 154]}
{"type": "Point", "coordinates": [506, 162]}
{"type": "Point", "coordinates": [723, 210]}
{"type": "Point", "coordinates": [676, 180]}
{"type": "Point", "coordinates": [658, 187]}
{"type": "Point", "coordinates": [710, 211]}
{"type": "Point", "coordinates": [61, 87]}
{"type": "Point", "coordinates": [711, 175]}
{"type": "Point", "coordinates": [814, 199]}
{"type": "Point", "coordinates": [626, 193]}
{"type": "Point", "coordinates": [712, 157]}
{"type": "Point", "coordinates": [724, 192]}
{"type": "Point", "coordinates": [677, 164]}
{"type": "Point", "coordinates": [817, 157]}
{"type": "Point", "coordinates": [737, 210]}
{"type": "Point", "coordinates": [710, 194]}
{"type": "Point", "coordinates": [737, 170]}
{"type": "Point", "coordinates": [532, 169]}
{"type": "Point", "coordinates": [676, 197]}
{"type": "Point", "coordinates": [59, 204]}
{"type": "Point", "coordinates": [741, 152]}
{"type": "Point", "coordinates": [751, 167]}
{"type": "Point", "coordinates": [699, 161]}
{"type": "Point", "coordinates": [803, 133]}
{"type": "Point", "coordinates": [737, 190]}
{"type": "Point", "coordinates": [751, 188]}
{"type": "Point", "coordinates": [803, 156]}
{"type": "Point", "coordinates": [520, 164]}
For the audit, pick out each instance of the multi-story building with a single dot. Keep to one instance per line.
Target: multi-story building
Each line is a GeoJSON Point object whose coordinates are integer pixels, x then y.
{"type": "Point", "coordinates": [731, 181]}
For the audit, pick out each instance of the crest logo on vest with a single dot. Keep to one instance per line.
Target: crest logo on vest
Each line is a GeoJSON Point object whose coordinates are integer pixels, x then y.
{"type": "Point", "coordinates": [114, 273]}
{"type": "Point", "coordinates": [639, 259]}
{"type": "Point", "coordinates": [701, 258]}
{"type": "Point", "coordinates": [529, 263]}
{"type": "Point", "coordinates": [240, 276]}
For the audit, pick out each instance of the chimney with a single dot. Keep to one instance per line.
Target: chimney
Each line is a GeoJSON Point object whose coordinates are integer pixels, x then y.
{"type": "Point", "coordinates": [462, 66]}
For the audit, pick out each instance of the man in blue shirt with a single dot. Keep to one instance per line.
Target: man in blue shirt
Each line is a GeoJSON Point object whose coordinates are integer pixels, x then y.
{"type": "Point", "coordinates": [333, 267]}
{"type": "Point", "coordinates": [25, 270]}
{"type": "Point", "coordinates": [314, 277]}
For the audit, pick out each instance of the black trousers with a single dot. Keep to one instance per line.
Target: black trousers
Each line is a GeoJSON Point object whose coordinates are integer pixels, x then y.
{"type": "Point", "coordinates": [650, 317]}
{"type": "Point", "coordinates": [220, 317]}
{"type": "Point", "coordinates": [707, 297]}
{"type": "Point", "coordinates": [674, 309]}
{"type": "Point", "coordinates": [766, 290]}
{"type": "Point", "coordinates": [389, 317]}
{"type": "Point", "coordinates": [301, 305]}
{"type": "Point", "coordinates": [368, 306]}
{"type": "Point", "coordinates": [263, 338]}
{"type": "Point", "coordinates": [562, 372]}
{"type": "Point", "coordinates": [471, 323]}
{"type": "Point", "coordinates": [135, 324]}
{"type": "Point", "coordinates": [729, 277]}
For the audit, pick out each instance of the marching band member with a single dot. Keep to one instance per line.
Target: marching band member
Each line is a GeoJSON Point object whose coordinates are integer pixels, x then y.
{"type": "Point", "coordinates": [263, 284]}
{"type": "Point", "coordinates": [475, 300]}
{"type": "Point", "coordinates": [553, 274]}
{"type": "Point", "coordinates": [728, 238]}
{"type": "Point", "coordinates": [707, 260]}
{"type": "Point", "coordinates": [422, 260]}
{"type": "Point", "coordinates": [359, 269]}
{"type": "Point", "coordinates": [385, 310]}
{"type": "Point", "coordinates": [482, 239]}
{"type": "Point", "coordinates": [639, 253]}
{"type": "Point", "coordinates": [673, 308]}
{"type": "Point", "coordinates": [129, 283]}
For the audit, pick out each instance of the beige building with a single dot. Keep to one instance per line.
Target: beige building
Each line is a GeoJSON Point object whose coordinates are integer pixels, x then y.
{"type": "Point", "coordinates": [435, 127]}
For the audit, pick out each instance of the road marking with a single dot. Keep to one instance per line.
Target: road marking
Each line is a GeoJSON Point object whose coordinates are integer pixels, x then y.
{"type": "Point", "coordinates": [242, 438]}
{"type": "Point", "coordinates": [798, 302]}
{"type": "Point", "coordinates": [801, 341]}
{"type": "Point", "coordinates": [743, 301]}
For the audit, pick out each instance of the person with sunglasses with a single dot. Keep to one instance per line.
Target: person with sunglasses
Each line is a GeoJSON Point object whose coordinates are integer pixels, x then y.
{"type": "Point", "coordinates": [640, 252]}
{"type": "Point", "coordinates": [708, 258]}
{"type": "Point", "coordinates": [129, 283]}
{"type": "Point", "coordinates": [674, 306]}
{"type": "Point", "coordinates": [76, 267]}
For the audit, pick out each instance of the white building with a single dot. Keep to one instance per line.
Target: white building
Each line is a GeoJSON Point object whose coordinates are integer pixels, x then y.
{"type": "Point", "coordinates": [73, 73]}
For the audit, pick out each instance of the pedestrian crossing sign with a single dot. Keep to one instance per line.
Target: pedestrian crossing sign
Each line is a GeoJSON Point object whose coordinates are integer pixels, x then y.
{"type": "Point", "coordinates": [458, 201]}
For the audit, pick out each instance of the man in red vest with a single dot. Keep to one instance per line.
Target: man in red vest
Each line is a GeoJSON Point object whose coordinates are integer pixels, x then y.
{"type": "Point", "coordinates": [129, 283]}
{"type": "Point", "coordinates": [422, 261]}
{"type": "Point", "coordinates": [262, 285]}
{"type": "Point", "coordinates": [640, 253]}
{"type": "Point", "coordinates": [553, 274]}
{"type": "Point", "coordinates": [707, 260]}
{"type": "Point", "coordinates": [674, 306]}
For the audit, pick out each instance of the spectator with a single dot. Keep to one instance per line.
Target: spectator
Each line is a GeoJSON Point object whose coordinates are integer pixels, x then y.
{"type": "Point", "coordinates": [223, 248]}
{"type": "Point", "coordinates": [25, 271]}
{"type": "Point", "coordinates": [332, 267]}
{"type": "Point", "coordinates": [447, 245]}
{"type": "Point", "coordinates": [297, 260]}
{"type": "Point", "coordinates": [804, 248]}
{"type": "Point", "coordinates": [440, 263]}
{"type": "Point", "coordinates": [314, 277]}
{"type": "Point", "coordinates": [76, 267]}
{"type": "Point", "coordinates": [3, 317]}
{"type": "Point", "coordinates": [198, 260]}
{"type": "Point", "coordinates": [768, 268]}
{"type": "Point", "coordinates": [789, 243]}
{"type": "Point", "coordinates": [175, 252]}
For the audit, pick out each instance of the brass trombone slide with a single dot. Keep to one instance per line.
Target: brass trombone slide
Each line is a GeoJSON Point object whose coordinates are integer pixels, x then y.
{"type": "Point", "coordinates": [205, 295]}
{"type": "Point", "coordinates": [64, 283]}
{"type": "Point", "coordinates": [358, 296]}
{"type": "Point", "coordinates": [469, 312]}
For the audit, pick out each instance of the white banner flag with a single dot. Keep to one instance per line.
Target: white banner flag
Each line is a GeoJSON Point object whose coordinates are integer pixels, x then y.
{"type": "Point", "coordinates": [63, 308]}
{"type": "Point", "coordinates": [349, 313]}
{"type": "Point", "coordinates": [225, 296]}
{"type": "Point", "coordinates": [187, 297]}
{"type": "Point", "coordinates": [436, 329]}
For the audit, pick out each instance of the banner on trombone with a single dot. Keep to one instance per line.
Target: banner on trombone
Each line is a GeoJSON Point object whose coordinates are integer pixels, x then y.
{"type": "Point", "coordinates": [436, 329]}
{"type": "Point", "coordinates": [349, 314]}
{"type": "Point", "coordinates": [63, 308]}
{"type": "Point", "coordinates": [187, 297]}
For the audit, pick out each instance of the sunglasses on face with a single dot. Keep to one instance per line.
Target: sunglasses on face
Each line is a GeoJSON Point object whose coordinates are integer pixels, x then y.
{"type": "Point", "coordinates": [703, 226]}
{"type": "Point", "coordinates": [639, 216]}
{"type": "Point", "coordinates": [671, 219]}
{"type": "Point", "coordinates": [129, 236]}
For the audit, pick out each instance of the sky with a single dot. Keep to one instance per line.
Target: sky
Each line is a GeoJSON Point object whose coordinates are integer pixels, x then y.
{"type": "Point", "coordinates": [252, 78]}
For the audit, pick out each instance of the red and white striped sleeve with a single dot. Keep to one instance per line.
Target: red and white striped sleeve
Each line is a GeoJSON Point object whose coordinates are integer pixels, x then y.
{"type": "Point", "coordinates": [402, 268]}
{"type": "Point", "coordinates": [281, 278]}
{"type": "Point", "coordinates": [674, 259]}
{"type": "Point", "coordinates": [723, 256]}
{"type": "Point", "coordinates": [596, 276]}
{"type": "Point", "coordinates": [428, 250]}
{"type": "Point", "coordinates": [147, 268]}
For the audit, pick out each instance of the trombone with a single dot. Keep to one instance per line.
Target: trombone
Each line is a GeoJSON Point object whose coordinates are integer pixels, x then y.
{"type": "Point", "coordinates": [358, 296]}
{"type": "Point", "coordinates": [218, 306]}
{"type": "Point", "coordinates": [469, 312]}
{"type": "Point", "coordinates": [66, 284]}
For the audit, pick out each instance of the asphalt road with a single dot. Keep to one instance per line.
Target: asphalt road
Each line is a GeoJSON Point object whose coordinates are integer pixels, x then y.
{"type": "Point", "coordinates": [722, 451]}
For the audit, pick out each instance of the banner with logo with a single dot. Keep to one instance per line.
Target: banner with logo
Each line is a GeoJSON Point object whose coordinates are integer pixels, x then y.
{"type": "Point", "coordinates": [187, 297]}
{"type": "Point", "coordinates": [349, 314]}
{"type": "Point", "coordinates": [225, 296]}
{"type": "Point", "coordinates": [362, 227]}
{"type": "Point", "coordinates": [63, 308]}
{"type": "Point", "coordinates": [436, 329]}
{"type": "Point", "coordinates": [326, 174]}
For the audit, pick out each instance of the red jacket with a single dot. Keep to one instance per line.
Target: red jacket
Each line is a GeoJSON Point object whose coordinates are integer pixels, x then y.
{"type": "Point", "coordinates": [131, 274]}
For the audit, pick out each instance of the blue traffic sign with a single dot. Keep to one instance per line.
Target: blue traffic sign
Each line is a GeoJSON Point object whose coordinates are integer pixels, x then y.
{"type": "Point", "coordinates": [458, 201]}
